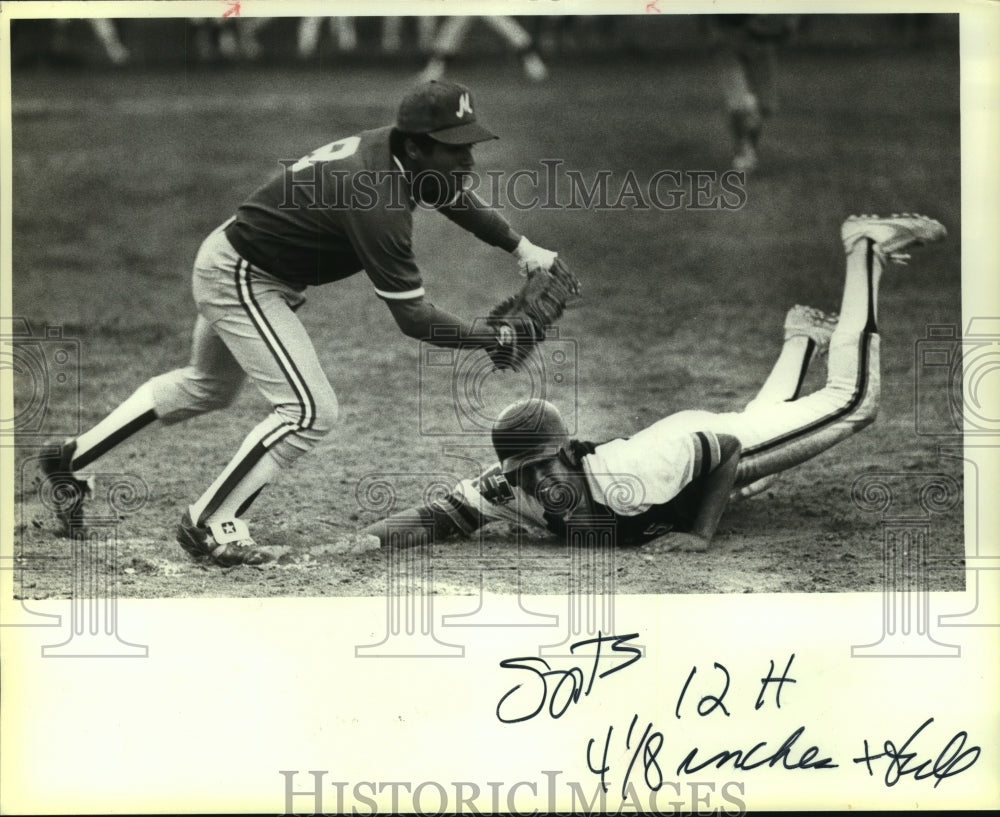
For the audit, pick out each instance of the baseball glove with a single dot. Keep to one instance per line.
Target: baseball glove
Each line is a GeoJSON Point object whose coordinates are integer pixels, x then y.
{"type": "Point", "coordinates": [520, 321]}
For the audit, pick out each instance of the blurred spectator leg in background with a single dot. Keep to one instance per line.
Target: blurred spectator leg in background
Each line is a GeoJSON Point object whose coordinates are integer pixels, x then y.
{"type": "Point", "coordinates": [226, 38]}
{"type": "Point", "coordinates": [745, 108]}
{"type": "Point", "coordinates": [104, 30]}
{"type": "Point", "coordinates": [213, 38]}
{"type": "Point", "coordinates": [107, 35]}
{"type": "Point", "coordinates": [746, 53]}
{"type": "Point", "coordinates": [248, 28]}
{"type": "Point", "coordinates": [452, 33]}
{"type": "Point", "coordinates": [346, 33]}
{"type": "Point", "coordinates": [310, 28]}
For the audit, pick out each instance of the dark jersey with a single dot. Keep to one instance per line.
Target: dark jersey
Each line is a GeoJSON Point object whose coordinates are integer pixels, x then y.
{"type": "Point", "coordinates": [343, 208]}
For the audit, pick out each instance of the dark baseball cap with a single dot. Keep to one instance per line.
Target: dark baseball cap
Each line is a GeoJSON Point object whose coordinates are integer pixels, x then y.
{"type": "Point", "coordinates": [443, 111]}
{"type": "Point", "coordinates": [526, 432]}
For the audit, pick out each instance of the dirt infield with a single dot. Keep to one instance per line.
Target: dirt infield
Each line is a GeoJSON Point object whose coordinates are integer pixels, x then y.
{"type": "Point", "coordinates": [118, 176]}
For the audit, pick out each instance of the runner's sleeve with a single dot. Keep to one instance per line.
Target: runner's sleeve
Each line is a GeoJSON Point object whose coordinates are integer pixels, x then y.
{"type": "Point", "coordinates": [470, 505]}
{"type": "Point", "coordinates": [468, 509]}
{"type": "Point", "coordinates": [708, 453]}
{"type": "Point", "coordinates": [471, 213]}
{"type": "Point", "coordinates": [489, 498]}
{"type": "Point", "coordinates": [650, 468]}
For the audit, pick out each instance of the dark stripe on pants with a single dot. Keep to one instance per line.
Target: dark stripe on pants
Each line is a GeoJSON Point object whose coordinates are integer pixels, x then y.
{"type": "Point", "coordinates": [307, 407]}
{"type": "Point", "coordinates": [109, 442]}
{"type": "Point", "coordinates": [860, 383]}
{"type": "Point", "coordinates": [861, 386]}
{"type": "Point", "coordinates": [870, 326]}
{"type": "Point", "coordinates": [810, 349]}
{"type": "Point", "coordinates": [248, 502]}
{"type": "Point", "coordinates": [239, 472]}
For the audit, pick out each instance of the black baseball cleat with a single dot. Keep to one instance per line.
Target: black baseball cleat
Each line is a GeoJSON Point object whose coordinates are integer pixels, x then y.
{"type": "Point", "coordinates": [65, 492]}
{"type": "Point", "coordinates": [227, 543]}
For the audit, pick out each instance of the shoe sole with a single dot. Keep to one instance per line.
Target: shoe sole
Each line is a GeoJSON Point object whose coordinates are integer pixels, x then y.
{"type": "Point", "coordinates": [814, 324]}
{"type": "Point", "coordinates": [912, 230]}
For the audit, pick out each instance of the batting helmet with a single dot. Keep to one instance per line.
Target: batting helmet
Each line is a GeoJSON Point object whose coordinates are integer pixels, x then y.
{"type": "Point", "coordinates": [528, 431]}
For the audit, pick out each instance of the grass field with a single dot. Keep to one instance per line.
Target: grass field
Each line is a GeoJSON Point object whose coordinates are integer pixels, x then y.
{"type": "Point", "coordinates": [119, 175]}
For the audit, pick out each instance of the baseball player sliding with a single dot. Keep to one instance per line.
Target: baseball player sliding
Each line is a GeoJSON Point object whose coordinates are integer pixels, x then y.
{"type": "Point", "coordinates": [673, 480]}
{"type": "Point", "coordinates": [345, 207]}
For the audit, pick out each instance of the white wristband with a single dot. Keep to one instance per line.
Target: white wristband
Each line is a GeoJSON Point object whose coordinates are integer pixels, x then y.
{"type": "Point", "coordinates": [523, 247]}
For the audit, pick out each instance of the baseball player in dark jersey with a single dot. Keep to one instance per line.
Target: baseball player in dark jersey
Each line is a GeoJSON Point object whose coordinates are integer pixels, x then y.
{"type": "Point", "coordinates": [345, 207]}
{"type": "Point", "coordinates": [673, 480]}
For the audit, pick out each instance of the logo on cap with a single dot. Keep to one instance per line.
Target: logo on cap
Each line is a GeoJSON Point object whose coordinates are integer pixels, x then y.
{"type": "Point", "coordinates": [444, 111]}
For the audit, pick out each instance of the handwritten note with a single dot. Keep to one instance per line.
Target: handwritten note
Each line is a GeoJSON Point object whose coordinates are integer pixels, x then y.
{"type": "Point", "coordinates": [568, 685]}
{"type": "Point", "coordinates": [953, 759]}
{"type": "Point", "coordinates": [644, 751]}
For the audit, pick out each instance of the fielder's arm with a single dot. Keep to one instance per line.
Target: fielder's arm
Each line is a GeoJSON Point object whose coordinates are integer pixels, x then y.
{"type": "Point", "coordinates": [418, 318]}
{"type": "Point", "coordinates": [471, 213]}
